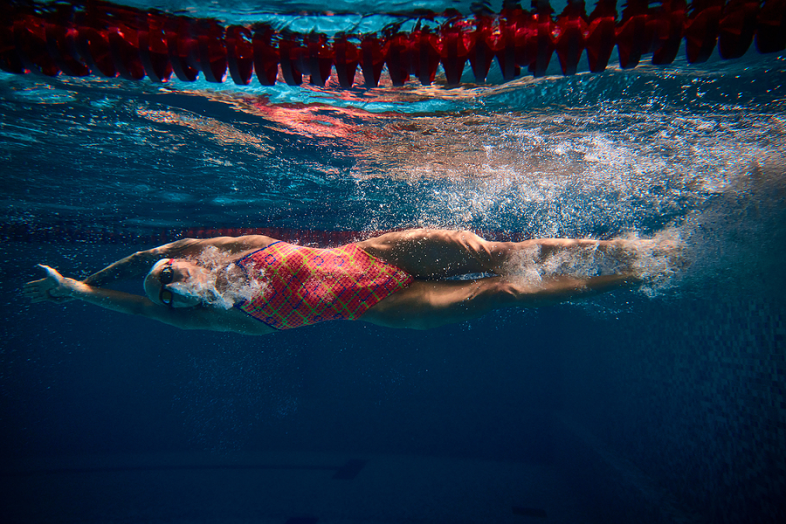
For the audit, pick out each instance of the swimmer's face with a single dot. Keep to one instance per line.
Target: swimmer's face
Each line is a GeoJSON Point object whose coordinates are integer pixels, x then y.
{"type": "Point", "coordinates": [159, 288]}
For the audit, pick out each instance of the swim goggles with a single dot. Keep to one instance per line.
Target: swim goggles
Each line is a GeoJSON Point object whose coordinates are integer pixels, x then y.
{"type": "Point", "coordinates": [166, 277]}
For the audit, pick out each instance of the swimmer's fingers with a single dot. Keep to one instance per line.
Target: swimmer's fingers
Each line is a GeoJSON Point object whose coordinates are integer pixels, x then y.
{"type": "Point", "coordinates": [37, 291]}
{"type": "Point", "coordinates": [47, 289]}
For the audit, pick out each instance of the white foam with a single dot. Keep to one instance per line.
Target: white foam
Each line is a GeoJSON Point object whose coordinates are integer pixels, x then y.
{"type": "Point", "coordinates": [655, 261]}
{"type": "Point", "coordinates": [218, 267]}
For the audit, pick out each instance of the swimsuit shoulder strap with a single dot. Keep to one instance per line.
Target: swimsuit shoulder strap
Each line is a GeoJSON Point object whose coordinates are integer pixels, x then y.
{"type": "Point", "coordinates": [241, 260]}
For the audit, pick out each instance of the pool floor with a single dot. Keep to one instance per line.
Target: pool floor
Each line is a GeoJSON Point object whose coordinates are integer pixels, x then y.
{"type": "Point", "coordinates": [292, 488]}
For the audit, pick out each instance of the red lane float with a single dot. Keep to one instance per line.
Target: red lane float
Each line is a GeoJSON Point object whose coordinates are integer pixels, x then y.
{"type": "Point", "coordinates": [111, 40]}
{"type": "Point", "coordinates": [346, 58]}
{"type": "Point", "coordinates": [770, 26]}
{"type": "Point", "coordinates": [153, 50]}
{"type": "Point", "coordinates": [601, 35]}
{"type": "Point", "coordinates": [668, 26]}
{"type": "Point", "coordinates": [240, 54]}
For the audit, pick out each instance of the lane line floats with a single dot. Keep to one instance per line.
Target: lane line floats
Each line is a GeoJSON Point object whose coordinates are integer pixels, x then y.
{"type": "Point", "coordinates": [111, 40]}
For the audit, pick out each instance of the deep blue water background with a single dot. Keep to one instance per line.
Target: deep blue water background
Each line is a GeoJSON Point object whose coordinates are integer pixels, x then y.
{"type": "Point", "coordinates": [657, 405]}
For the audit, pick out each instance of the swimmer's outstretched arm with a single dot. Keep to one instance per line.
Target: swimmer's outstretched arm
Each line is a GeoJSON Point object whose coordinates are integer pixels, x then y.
{"type": "Point", "coordinates": [55, 288]}
{"type": "Point", "coordinates": [139, 263]}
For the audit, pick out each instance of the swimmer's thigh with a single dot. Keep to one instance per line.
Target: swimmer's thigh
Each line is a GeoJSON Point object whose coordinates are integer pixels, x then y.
{"type": "Point", "coordinates": [435, 253]}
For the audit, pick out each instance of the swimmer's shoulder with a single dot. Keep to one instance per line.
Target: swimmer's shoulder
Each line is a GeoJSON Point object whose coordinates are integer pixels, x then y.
{"type": "Point", "coordinates": [238, 246]}
{"type": "Point", "coordinates": [242, 243]}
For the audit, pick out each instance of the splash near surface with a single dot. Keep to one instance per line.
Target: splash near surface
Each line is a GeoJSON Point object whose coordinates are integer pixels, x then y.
{"type": "Point", "coordinates": [653, 263]}
{"type": "Point", "coordinates": [642, 151]}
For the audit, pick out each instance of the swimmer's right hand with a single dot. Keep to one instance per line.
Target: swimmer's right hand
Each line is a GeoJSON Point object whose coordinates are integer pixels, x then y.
{"type": "Point", "coordinates": [53, 288]}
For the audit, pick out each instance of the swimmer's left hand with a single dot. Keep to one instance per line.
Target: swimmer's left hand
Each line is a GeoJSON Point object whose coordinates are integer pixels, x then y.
{"type": "Point", "coordinates": [53, 288]}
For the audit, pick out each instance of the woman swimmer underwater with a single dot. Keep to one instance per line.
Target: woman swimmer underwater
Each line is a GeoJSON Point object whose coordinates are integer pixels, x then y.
{"type": "Point", "coordinates": [257, 285]}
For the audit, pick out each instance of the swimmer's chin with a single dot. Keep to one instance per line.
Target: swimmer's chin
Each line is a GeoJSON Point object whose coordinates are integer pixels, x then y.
{"type": "Point", "coordinates": [220, 303]}
{"type": "Point", "coordinates": [195, 305]}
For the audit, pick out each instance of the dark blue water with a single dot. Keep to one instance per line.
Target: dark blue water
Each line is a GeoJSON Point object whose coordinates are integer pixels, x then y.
{"type": "Point", "coordinates": [659, 404]}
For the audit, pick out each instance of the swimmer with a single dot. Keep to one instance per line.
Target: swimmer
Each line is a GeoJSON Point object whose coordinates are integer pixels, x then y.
{"type": "Point", "coordinates": [257, 285]}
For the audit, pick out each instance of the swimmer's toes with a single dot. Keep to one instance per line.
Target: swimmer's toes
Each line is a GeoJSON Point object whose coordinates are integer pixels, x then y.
{"type": "Point", "coordinates": [678, 259]}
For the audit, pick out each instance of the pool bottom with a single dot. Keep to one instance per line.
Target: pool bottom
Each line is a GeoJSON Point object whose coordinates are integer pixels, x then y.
{"type": "Point", "coordinates": [293, 488]}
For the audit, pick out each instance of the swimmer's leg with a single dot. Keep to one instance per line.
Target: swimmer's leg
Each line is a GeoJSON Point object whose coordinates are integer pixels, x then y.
{"type": "Point", "coordinates": [425, 304]}
{"type": "Point", "coordinates": [433, 254]}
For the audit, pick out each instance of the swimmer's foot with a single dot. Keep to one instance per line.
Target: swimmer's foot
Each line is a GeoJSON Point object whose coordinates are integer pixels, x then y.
{"type": "Point", "coordinates": [660, 258]}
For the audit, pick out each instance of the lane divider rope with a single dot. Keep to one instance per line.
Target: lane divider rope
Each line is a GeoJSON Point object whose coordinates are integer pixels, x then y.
{"type": "Point", "coordinates": [111, 40]}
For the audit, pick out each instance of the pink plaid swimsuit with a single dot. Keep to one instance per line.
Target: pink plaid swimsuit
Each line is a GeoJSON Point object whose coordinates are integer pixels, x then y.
{"type": "Point", "coordinates": [307, 285]}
